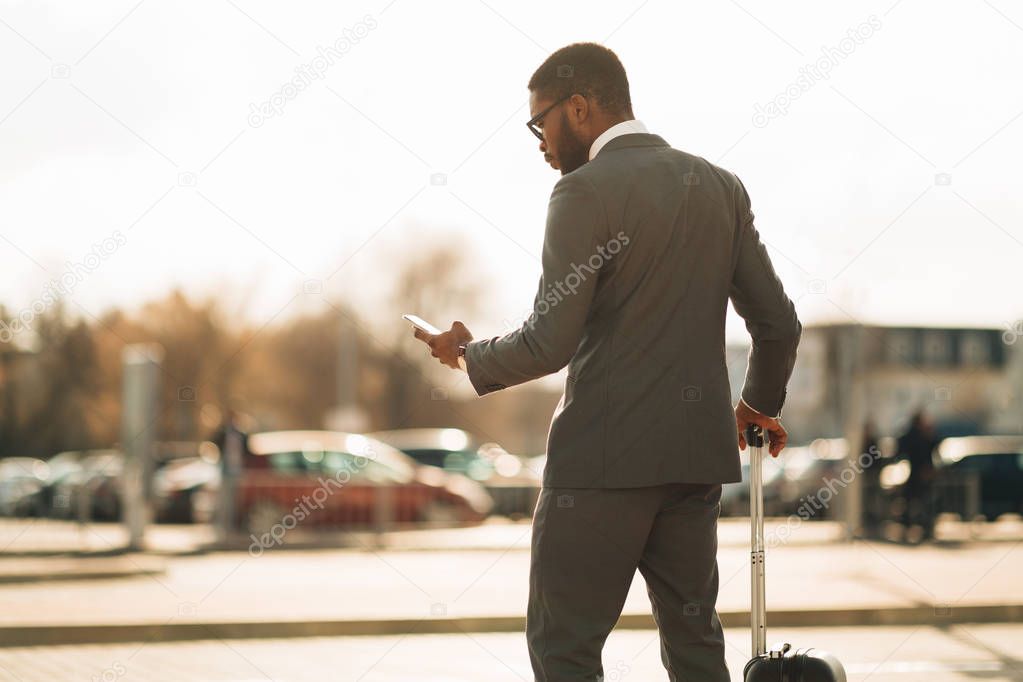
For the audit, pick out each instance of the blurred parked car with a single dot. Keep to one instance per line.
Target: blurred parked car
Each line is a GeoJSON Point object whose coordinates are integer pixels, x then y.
{"type": "Point", "coordinates": [58, 468]}
{"type": "Point", "coordinates": [168, 451]}
{"type": "Point", "coordinates": [509, 479]}
{"type": "Point", "coordinates": [21, 478]}
{"type": "Point", "coordinates": [453, 450]}
{"type": "Point", "coordinates": [98, 473]}
{"type": "Point", "coordinates": [336, 479]}
{"type": "Point", "coordinates": [93, 483]}
{"type": "Point", "coordinates": [179, 479]}
{"type": "Point", "coordinates": [997, 461]}
{"type": "Point", "coordinates": [807, 471]}
{"type": "Point", "coordinates": [735, 496]}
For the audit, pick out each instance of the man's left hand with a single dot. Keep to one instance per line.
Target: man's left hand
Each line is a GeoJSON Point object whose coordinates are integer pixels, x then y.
{"type": "Point", "coordinates": [444, 346]}
{"type": "Point", "coordinates": [776, 434]}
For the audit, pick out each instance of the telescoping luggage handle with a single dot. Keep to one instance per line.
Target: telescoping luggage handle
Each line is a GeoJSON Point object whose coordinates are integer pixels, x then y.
{"type": "Point", "coordinates": [780, 662]}
{"type": "Point", "coordinates": [758, 606]}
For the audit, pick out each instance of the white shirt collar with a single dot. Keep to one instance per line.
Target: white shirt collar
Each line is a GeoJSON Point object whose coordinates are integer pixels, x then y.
{"type": "Point", "coordinates": [623, 128]}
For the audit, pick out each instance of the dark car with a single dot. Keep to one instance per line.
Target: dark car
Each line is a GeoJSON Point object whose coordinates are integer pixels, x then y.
{"type": "Point", "coordinates": [96, 474]}
{"type": "Point", "coordinates": [341, 480]}
{"type": "Point", "coordinates": [453, 450]}
{"type": "Point", "coordinates": [511, 480]}
{"type": "Point", "coordinates": [179, 480]}
{"type": "Point", "coordinates": [90, 487]}
{"type": "Point", "coordinates": [58, 469]}
{"type": "Point", "coordinates": [997, 461]}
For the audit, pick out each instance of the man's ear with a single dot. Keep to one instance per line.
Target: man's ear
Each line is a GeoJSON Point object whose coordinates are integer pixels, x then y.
{"type": "Point", "coordinates": [580, 107]}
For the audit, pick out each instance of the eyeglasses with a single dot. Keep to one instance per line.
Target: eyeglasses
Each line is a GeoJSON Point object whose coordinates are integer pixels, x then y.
{"type": "Point", "coordinates": [532, 123]}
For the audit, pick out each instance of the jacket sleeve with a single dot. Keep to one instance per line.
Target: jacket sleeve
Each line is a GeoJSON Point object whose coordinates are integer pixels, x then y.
{"type": "Point", "coordinates": [759, 298]}
{"type": "Point", "coordinates": [549, 337]}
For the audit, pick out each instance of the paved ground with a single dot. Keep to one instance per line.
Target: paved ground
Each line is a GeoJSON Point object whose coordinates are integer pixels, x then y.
{"type": "Point", "coordinates": [897, 654]}
{"type": "Point", "coordinates": [302, 585]}
{"type": "Point", "coordinates": [339, 584]}
{"type": "Point", "coordinates": [45, 537]}
{"type": "Point", "coordinates": [355, 584]}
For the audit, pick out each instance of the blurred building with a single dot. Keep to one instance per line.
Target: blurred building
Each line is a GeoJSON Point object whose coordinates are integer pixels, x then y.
{"type": "Point", "coordinates": [1007, 411]}
{"type": "Point", "coordinates": [968, 380]}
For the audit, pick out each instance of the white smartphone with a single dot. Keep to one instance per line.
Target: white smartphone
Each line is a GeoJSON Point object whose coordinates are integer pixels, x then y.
{"type": "Point", "coordinates": [420, 323]}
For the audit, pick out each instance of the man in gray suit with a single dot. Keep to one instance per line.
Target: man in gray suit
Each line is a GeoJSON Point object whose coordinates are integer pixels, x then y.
{"type": "Point", "coordinates": [644, 247]}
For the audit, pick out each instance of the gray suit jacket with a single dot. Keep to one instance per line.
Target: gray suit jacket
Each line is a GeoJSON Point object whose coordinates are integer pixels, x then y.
{"type": "Point", "coordinates": [643, 248]}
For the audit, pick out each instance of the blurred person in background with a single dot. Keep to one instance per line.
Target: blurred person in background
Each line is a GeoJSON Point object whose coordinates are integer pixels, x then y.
{"type": "Point", "coordinates": [643, 248]}
{"type": "Point", "coordinates": [232, 440]}
{"type": "Point", "coordinates": [874, 511]}
{"type": "Point", "coordinates": [917, 446]}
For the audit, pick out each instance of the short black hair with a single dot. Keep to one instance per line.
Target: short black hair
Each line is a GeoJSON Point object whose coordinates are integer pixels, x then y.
{"type": "Point", "coordinates": [588, 69]}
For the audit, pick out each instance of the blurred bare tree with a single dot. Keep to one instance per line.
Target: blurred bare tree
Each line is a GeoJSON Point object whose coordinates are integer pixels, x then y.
{"type": "Point", "coordinates": [48, 390]}
{"type": "Point", "coordinates": [289, 373]}
{"type": "Point", "coordinates": [60, 385]}
{"type": "Point", "coordinates": [198, 363]}
{"type": "Point", "coordinates": [437, 283]}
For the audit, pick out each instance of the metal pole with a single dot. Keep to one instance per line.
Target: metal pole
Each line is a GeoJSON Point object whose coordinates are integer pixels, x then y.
{"type": "Point", "coordinates": [141, 363]}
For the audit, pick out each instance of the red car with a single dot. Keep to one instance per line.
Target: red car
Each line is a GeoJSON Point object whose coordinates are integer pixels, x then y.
{"type": "Point", "coordinates": [335, 479]}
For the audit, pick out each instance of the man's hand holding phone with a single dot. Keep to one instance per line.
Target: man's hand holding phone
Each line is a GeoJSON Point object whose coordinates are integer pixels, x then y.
{"type": "Point", "coordinates": [443, 345]}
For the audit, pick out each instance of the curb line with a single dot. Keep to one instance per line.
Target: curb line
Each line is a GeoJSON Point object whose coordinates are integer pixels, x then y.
{"type": "Point", "coordinates": [104, 574]}
{"type": "Point", "coordinates": [50, 635]}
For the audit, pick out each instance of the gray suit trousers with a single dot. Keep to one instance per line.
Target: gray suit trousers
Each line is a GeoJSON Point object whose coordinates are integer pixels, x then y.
{"type": "Point", "coordinates": [587, 544]}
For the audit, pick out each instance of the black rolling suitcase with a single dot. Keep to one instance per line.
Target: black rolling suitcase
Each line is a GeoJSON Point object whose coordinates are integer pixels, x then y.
{"type": "Point", "coordinates": [782, 663]}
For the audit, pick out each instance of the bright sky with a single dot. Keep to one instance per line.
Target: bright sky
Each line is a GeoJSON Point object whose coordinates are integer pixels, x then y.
{"type": "Point", "coordinates": [888, 189]}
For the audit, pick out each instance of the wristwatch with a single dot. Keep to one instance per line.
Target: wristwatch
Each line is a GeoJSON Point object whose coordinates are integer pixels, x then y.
{"type": "Point", "coordinates": [461, 356]}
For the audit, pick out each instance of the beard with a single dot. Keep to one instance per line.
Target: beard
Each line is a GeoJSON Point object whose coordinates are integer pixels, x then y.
{"type": "Point", "coordinates": [572, 151]}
